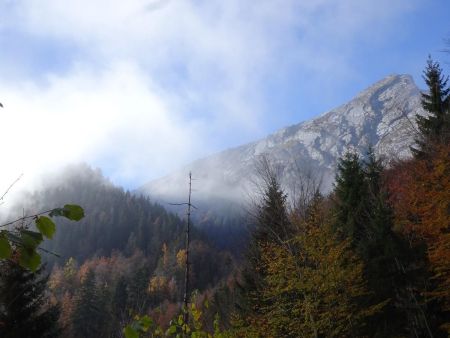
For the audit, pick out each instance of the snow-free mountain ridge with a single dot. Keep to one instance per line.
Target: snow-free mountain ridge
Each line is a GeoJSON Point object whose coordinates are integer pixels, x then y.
{"type": "Point", "coordinates": [382, 116]}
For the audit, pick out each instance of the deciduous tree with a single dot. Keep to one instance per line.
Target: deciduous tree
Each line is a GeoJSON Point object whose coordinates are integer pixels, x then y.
{"type": "Point", "coordinates": [316, 289]}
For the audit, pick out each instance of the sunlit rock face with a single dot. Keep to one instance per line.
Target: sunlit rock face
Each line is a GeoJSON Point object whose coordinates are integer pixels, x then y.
{"type": "Point", "coordinates": [382, 116]}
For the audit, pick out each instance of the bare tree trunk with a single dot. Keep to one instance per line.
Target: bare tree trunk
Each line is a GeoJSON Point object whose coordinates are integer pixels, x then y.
{"type": "Point", "coordinates": [186, 277]}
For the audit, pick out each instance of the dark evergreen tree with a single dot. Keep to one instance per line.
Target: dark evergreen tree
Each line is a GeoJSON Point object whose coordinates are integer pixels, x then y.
{"type": "Point", "coordinates": [434, 127]}
{"type": "Point", "coordinates": [119, 300]}
{"type": "Point", "coordinates": [138, 299]}
{"type": "Point", "coordinates": [384, 254]}
{"type": "Point", "coordinates": [119, 311]}
{"type": "Point", "coordinates": [87, 317]}
{"type": "Point", "coordinates": [25, 310]}
{"type": "Point", "coordinates": [362, 213]}
{"type": "Point", "coordinates": [350, 204]}
{"type": "Point", "coordinates": [270, 224]}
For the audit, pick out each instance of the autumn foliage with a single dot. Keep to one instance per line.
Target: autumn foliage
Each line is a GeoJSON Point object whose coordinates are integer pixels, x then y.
{"type": "Point", "coordinates": [420, 194]}
{"type": "Point", "coordinates": [319, 282]}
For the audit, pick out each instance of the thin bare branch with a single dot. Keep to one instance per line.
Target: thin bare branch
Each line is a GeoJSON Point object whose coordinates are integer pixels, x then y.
{"type": "Point", "coordinates": [10, 187]}
{"type": "Point", "coordinates": [24, 218]}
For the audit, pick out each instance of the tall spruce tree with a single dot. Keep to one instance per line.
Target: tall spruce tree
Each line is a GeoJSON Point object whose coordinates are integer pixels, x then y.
{"type": "Point", "coordinates": [87, 317]}
{"type": "Point", "coordinates": [350, 204]}
{"type": "Point", "coordinates": [271, 226]}
{"type": "Point", "coordinates": [272, 222]}
{"type": "Point", "coordinates": [434, 127]}
{"type": "Point", "coordinates": [363, 215]}
{"type": "Point", "coordinates": [25, 310]}
{"type": "Point", "coordinates": [384, 254]}
{"type": "Point", "coordinates": [119, 300]}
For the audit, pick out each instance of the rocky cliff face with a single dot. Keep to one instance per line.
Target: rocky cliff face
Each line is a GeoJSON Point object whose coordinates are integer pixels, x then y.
{"type": "Point", "coordinates": [382, 116]}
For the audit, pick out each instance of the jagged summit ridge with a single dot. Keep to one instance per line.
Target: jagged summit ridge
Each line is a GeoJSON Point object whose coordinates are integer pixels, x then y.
{"type": "Point", "coordinates": [382, 116]}
{"type": "Point", "coordinates": [380, 112]}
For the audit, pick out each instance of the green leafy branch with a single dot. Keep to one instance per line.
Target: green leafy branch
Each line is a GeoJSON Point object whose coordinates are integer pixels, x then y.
{"type": "Point", "coordinates": [26, 242]}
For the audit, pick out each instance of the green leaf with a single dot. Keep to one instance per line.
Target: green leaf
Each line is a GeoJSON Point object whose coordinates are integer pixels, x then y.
{"type": "Point", "coordinates": [130, 332]}
{"type": "Point", "coordinates": [172, 329]}
{"type": "Point", "coordinates": [146, 322]}
{"type": "Point", "coordinates": [29, 259]}
{"type": "Point", "coordinates": [46, 226]}
{"type": "Point", "coordinates": [28, 242]}
{"type": "Point", "coordinates": [73, 212]}
{"type": "Point", "coordinates": [30, 239]}
{"type": "Point", "coordinates": [5, 247]}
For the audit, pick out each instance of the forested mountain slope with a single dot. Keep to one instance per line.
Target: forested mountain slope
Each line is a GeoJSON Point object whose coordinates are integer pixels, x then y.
{"type": "Point", "coordinates": [115, 220]}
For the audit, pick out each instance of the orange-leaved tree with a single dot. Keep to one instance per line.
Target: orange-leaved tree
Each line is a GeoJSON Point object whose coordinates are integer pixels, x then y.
{"type": "Point", "coordinates": [420, 194]}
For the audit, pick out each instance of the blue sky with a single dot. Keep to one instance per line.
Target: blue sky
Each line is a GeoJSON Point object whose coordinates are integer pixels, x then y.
{"type": "Point", "coordinates": [141, 87]}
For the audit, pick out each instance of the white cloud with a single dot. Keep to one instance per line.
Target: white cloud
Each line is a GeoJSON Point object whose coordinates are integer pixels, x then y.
{"type": "Point", "coordinates": [224, 48]}
{"type": "Point", "coordinates": [116, 116]}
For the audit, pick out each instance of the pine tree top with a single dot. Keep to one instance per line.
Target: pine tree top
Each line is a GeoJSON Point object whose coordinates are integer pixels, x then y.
{"type": "Point", "coordinates": [435, 126]}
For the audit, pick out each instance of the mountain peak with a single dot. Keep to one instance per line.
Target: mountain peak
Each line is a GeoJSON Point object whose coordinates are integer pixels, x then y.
{"type": "Point", "coordinates": [399, 81]}
{"type": "Point", "coordinates": [380, 116]}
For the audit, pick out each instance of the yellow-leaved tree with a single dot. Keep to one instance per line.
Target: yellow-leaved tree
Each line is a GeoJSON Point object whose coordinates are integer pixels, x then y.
{"type": "Point", "coordinates": [315, 286]}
